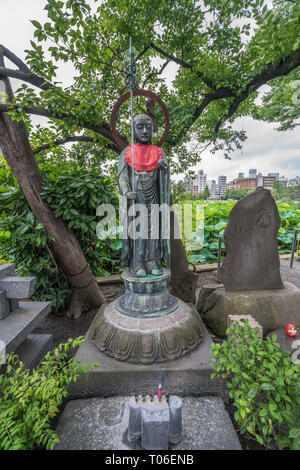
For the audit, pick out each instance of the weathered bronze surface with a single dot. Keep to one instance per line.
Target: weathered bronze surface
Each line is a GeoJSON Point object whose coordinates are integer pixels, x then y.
{"type": "Point", "coordinates": [146, 297]}
{"type": "Point", "coordinates": [146, 340]}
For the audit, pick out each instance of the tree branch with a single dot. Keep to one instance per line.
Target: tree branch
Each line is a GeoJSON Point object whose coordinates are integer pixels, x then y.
{"type": "Point", "coordinates": [155, 73]}
{"type": "Point", "coordinates": [103, 130]}
{"type": "Point", "coordinates": [189, 67]}
{"type": "Point", "coordinates": [76, 138]}
{"type": "Point", "coordinates": [28, 77]}
{"type": "Point", "coordinates": [270, 72]}
{"type": "Point", "coordinates": [14, 59]}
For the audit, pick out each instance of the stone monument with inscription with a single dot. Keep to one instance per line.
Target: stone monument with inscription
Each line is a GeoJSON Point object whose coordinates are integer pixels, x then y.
{"type": "Point", "coordinates": [252, 259]}
{"type": "Point", "coordinates": [252, 283]}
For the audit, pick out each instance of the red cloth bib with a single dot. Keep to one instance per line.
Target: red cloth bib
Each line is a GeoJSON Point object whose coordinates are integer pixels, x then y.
{"type": "Point", "coordinates": [145, 156]}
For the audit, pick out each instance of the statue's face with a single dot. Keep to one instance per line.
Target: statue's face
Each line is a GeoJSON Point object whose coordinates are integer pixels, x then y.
{"type": "Point", "coordinates": [143, 130]}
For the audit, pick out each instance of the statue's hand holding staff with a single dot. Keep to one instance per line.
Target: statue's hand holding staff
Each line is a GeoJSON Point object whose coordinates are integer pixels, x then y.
{"type": "Point", "coordinates": [162, 165]}
{"type": "Point", "coordinates": [132, 195]}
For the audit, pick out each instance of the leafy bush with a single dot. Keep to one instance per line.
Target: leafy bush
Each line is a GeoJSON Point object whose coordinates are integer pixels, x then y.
{"type": "Point", "coordinates": [29, 401]}
{"type": "Point", "coordinates": [74, 194]}
{"type": "Point", "coordinates": [263, 384]}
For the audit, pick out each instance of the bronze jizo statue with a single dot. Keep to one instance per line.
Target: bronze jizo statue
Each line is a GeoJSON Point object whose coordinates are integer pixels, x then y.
{"type": "Point", "coordinates": [147, 188]}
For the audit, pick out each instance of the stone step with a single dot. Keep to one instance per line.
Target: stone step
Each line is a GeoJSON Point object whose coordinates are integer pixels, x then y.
{"type": "Point", "coordinates": [102, 424]}
{"type": "Point", "coordinates": [33, 349]}
{"type": "Point", "coordinates": [20, 323]}
{"type": "Point", "coordinates": [17, 287]}
{"type": "Point", "coordinates": [7, 269]}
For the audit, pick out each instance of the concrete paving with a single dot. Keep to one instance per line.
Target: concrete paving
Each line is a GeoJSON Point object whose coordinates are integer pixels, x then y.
{"type": "Point", "coordinates": [288, 274]}
{"type": "Point", "coordinates": [101, 424]}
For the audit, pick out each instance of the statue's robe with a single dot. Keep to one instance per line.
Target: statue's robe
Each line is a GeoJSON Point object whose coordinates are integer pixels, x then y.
{"type": "Point", "coordinates": [152, 186]}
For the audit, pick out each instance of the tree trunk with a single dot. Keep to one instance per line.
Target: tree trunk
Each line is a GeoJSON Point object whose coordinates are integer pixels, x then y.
{"type": "Point", "coordinates": [183, 281]}
{"type": "Point", "coordinates": [18, 154]}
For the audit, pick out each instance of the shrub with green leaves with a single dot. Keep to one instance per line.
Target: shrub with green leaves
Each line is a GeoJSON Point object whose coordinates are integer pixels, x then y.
{"type": "Point", "coordinates": [29, 401]}
{"type": "Point", "coordinates": [73, 193]}
{"type": "Point", "coordinates": [263, 384]}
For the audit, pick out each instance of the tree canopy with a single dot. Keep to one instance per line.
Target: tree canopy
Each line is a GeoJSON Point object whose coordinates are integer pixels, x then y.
{"type": "Point", "coordinates": [222, 53]}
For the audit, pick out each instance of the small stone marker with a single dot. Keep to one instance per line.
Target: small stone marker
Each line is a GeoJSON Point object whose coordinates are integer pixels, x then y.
{"type": "Point", "coordinates": [252, 260]}
{"type": "Point", "coordinates": [241, 319]}
{"type": "Point", "coordinates": [18, 319]}
{"type": "Point", "coordinates": [157, 421]}
{"type": "Point", "coordinates": [12, 288]}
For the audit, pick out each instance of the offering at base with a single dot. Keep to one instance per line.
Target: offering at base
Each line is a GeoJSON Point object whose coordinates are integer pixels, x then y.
{"type": "Point", "coordinates": [157, 420]}
{"type": "Point", "coordinates": [291, 330]}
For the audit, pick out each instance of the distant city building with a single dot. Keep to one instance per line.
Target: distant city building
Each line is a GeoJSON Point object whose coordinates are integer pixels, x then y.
{"type": "Point", "coordinates": [200, 182]}
{"type": "Point", "coordinates": [276, 175]}
{"type": "Point", "coordinates": [222, 184]}
{"type": "Point", "coordinates": [214, 190]}
{"type": "Point", "coordinates": [244, 183]}
{"type": "Point", "coordinates": [252, 173]}
{"type": "Point", "coordinates": [241, 175]}
{"type": "Point", "coordinates": [283, 180]}
{"type": "Point", "coordinates": [266, 182]}
{"type": "Point", "coordinates": [188, 184]}
{"type": "Point", "coordinates": [229, 185]}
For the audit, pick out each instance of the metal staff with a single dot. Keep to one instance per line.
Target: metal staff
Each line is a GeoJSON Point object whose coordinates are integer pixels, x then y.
{"type": "Point", "coordinates": [131, 80]}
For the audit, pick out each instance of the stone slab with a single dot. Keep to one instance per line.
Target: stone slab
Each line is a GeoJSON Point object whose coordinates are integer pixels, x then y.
{"type": "Point", "coordinates": [21, 322]}
{"type": "Point", "coordinates": [5, 307]}
{"type": "Point", "coordinates": [17, 287]}
{"type": "Point", "coordinates": [250, 237]}
{"type": "Point", "coordinates": [270, 308]}
{"type": "Point", "coordinates": [102, 423]}
{"type": "Point", "coordinates": [7, 269]}
{"type": "Point", "coordinates": [33, 349]}
{"type": "Point", "coordinates": [188, 375]}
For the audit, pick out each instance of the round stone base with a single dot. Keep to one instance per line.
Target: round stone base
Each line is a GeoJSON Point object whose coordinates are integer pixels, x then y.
{"type": "Point", "coordinates": [146, 340]}
{"type": "Point", "coordinates": [146, 296]}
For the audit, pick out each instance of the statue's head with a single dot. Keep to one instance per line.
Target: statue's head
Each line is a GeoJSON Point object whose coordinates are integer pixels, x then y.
{"type": "Point", "coordinates": [143, 129]}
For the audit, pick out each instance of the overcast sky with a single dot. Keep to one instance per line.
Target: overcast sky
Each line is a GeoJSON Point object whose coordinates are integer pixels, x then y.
{"type": "Point", "coordinates": [265, 149]}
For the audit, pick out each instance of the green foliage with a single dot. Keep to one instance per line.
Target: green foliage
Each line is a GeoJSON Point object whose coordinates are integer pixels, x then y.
{"type": "Point", "coordinates": [29, 401]}
{"type": "Point", "coordinates": [74, 194]}
{"type": "Point", "coordinates": [236, 194]}
{"type": "Point", "coordinates": [215, 220]}
{"type": "Point", "coordinates": [263, 384]}
{"type": "Point", "coordinates": [287, 194]}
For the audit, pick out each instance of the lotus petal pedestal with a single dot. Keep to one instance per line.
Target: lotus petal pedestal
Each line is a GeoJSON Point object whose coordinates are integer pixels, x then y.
{"type": "Point", "coordinates": [146, 324]}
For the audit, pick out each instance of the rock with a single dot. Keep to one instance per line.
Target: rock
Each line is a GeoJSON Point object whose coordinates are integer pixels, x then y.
{"type": "Point", "coordinates": [252, 260]}
{"type": "Point", "coordinates": [271, 308]}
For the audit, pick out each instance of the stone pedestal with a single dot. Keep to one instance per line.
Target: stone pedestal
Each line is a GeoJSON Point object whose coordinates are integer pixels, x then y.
{"type": "Point", "coordinates": [145, 340]}
{"type": "Point", "coordinates": [270, 308]}
{"type": "Point", "coordinates": [146, 296]}
{"type": "Point", "coordinates": [186, 375]}
{"type": "Point", "coordinates": [146, 324]}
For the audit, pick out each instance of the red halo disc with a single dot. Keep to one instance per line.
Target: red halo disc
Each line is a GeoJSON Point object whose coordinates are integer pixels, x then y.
{"type": "Point", "coordinates": [122, 100]}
